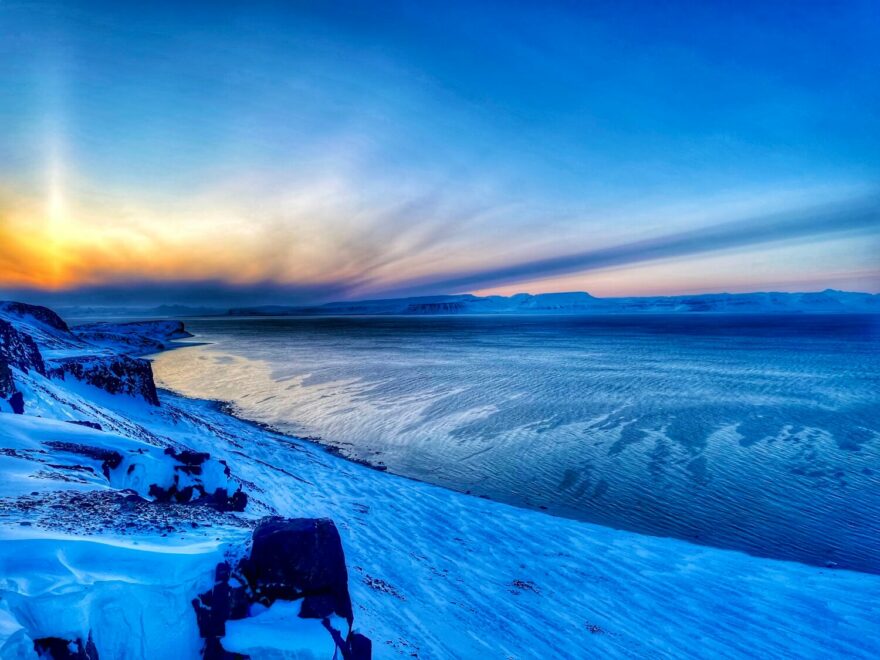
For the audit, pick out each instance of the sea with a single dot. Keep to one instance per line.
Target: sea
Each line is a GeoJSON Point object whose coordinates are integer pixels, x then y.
{"type": "Point", "coordinates": [754, 433]}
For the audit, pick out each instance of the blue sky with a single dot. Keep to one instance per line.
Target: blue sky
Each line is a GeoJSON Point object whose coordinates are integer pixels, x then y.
{"type": "Point", "coordinates": [306, 150]}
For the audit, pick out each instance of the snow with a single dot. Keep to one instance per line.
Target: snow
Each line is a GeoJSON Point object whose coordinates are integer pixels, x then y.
{"type": "Point", "coordinates": [279, 628]}
{"type": "Point", "coordinates": [135, 600]}
{"type": "Point", "coordinates": [578, 302]}
{"type": "Point", "coordinates": [432, 573]}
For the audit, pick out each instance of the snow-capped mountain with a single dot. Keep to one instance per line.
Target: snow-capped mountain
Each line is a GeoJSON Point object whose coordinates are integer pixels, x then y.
{"type": "Point", "coordinates": [828, 301]}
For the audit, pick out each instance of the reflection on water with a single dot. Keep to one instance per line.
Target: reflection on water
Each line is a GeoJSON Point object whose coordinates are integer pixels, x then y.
{"type": "Point", "coordinates": [755, 433]}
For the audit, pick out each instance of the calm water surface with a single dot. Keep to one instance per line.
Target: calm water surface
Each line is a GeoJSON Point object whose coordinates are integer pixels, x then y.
{"type": "Point", "coordinates": [755, 433]}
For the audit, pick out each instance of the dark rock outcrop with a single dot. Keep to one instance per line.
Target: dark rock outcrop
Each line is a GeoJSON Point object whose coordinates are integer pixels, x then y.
{"type": "Point", "coordinates": [300, 558]}
{"type": "Point", "coordinates": [7, 385]}
{"type": "Point", "coordinates": [190, 461]}
{"type": "Point", "coordinates": [116, 374]}
{"type": "Point", "coordinates": [292, 560]}
{"type": "Point", "coordinates": [110, 460]}
{"type": "Point", "coordinates": [65, 649]}
{"type": "Point", "coordinates": [87, 424]}
{"type": "Point", "coordinates": [219, 499]}
{"type": "Point", "coordinates": [17, 403]}
{"type": "Point", "coordinates": [43, 315]}
{"type": "Point", "coordinates": [19, 350]}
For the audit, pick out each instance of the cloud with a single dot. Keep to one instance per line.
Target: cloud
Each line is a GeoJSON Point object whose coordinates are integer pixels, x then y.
{"type": "Point", "coordinates": [210, 293]}
{"type": "Point", "coordinates": [322, 239]}
{"type": "Point", "coordinates": [860, 216]}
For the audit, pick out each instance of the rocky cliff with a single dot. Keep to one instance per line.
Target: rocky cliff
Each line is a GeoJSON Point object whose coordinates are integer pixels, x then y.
{"type": "Point", "coordinates": [116, 374]}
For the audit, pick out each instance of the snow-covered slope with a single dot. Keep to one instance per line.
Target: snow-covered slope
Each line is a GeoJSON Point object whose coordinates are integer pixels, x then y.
{"type": "Point", "coordinates": [583, 303]}
{"type": "Point", "coordinates": [90, 557]}
{"type": "Point", "coordinates": [119, 541]}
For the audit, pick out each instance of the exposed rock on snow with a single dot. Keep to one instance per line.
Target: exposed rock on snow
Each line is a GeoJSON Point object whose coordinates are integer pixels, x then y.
{"type": "Point", "coordinates": [35, 313]}
{"type": "Point", "coordinates": [110, 459]}
{"type": "Point", "coordinates": [116, 374]}
{"type": "Point", "coordinates": [16, 402]}
{"type": "Point", "coordinates": [65, 649]}
{"type": "Point", "coordinates": [7, 385]}
{"type": "Point", "coordinates": [298, 560]}
{"type": "Point", "coordinates": [19, 350]}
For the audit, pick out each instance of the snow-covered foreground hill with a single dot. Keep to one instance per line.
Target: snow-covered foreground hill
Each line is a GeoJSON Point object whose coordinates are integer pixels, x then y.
{"type": "Point", "coordinates": [88, 548]}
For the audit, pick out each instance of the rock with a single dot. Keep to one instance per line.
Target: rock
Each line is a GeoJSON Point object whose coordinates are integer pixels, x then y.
{"type": "Point", "coordinates": [65, 649]}
{"type": "Point", "coordinates": [361, 647]}
{"type": "Point", "coordinates": [7, 385]}
{"type": "Point", "coordinates": [219, 500]}
{"type": "Point", "coordinates": [191, 461]}
{"type": "Point", "coordinates": [42, 314]}
{"type": "Point", "coordinates": [91, 425]}
{"type": "Point", "coordinates": [300, 558]}
{"type": "Point", "coordinates": [17, 403]}
{"type": "Point", "coordinates": [290, 559]}
{"type": "Point", "coordinates": [110, 460]}
{"type": "Point", "coordinates": [19, 350]}
{"type": "Point", "coordinates": [116, 374]}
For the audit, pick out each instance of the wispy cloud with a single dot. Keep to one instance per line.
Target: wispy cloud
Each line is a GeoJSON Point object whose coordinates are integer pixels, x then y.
{"type": "Point", "coordinates": [210, 293]}
{"type": "Point", "coordinates": [860, 216]}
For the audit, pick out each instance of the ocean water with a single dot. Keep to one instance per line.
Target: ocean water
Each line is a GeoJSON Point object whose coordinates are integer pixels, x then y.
{"type": "Point", "coordinates": [760, 434]}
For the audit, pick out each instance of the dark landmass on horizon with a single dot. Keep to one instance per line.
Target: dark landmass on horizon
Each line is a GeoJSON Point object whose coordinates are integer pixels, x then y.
{"type": "Point", "coordinates": [827, 301]}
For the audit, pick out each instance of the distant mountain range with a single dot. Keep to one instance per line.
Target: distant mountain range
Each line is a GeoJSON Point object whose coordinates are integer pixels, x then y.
{"type": "Point", "coordinates": [583, 303]}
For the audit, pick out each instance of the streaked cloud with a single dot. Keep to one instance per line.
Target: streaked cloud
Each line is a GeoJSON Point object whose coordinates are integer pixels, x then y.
{"type": "Point", "coordinates": [845, 218]}
{"type": "Point", "coordinates": [292, 152]}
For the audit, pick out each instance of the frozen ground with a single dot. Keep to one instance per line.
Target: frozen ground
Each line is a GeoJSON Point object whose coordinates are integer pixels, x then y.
{"type": "Point", "coordinates": [433, 573]}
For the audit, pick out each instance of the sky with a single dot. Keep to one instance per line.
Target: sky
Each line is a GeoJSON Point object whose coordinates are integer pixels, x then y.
{"type": "Point", "coordinates": [301, 152]}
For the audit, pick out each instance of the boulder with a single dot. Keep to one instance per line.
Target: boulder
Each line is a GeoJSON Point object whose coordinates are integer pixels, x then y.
{"type": "Point", "coordinates": [300, 558]}
{"type": "Point", "coordinates": [290, 560]}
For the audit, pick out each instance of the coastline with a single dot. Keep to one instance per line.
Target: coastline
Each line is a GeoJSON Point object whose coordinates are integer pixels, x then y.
{"type": "Point", "coordinates": [600, 632]}
{"type": "Point", "coordinates": [371, 393]}
{"type": "Point", "coordinates": [435, 573]}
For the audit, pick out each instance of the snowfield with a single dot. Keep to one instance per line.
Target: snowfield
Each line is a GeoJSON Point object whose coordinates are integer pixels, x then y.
{"type": "Point", "coordinates": [89, 553]}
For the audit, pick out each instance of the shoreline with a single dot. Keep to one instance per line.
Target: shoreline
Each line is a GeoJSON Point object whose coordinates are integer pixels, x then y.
{"type": "Point", "coordinates": [230, 408]}
{"type": "Point", "coordinates": [434, 573]}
